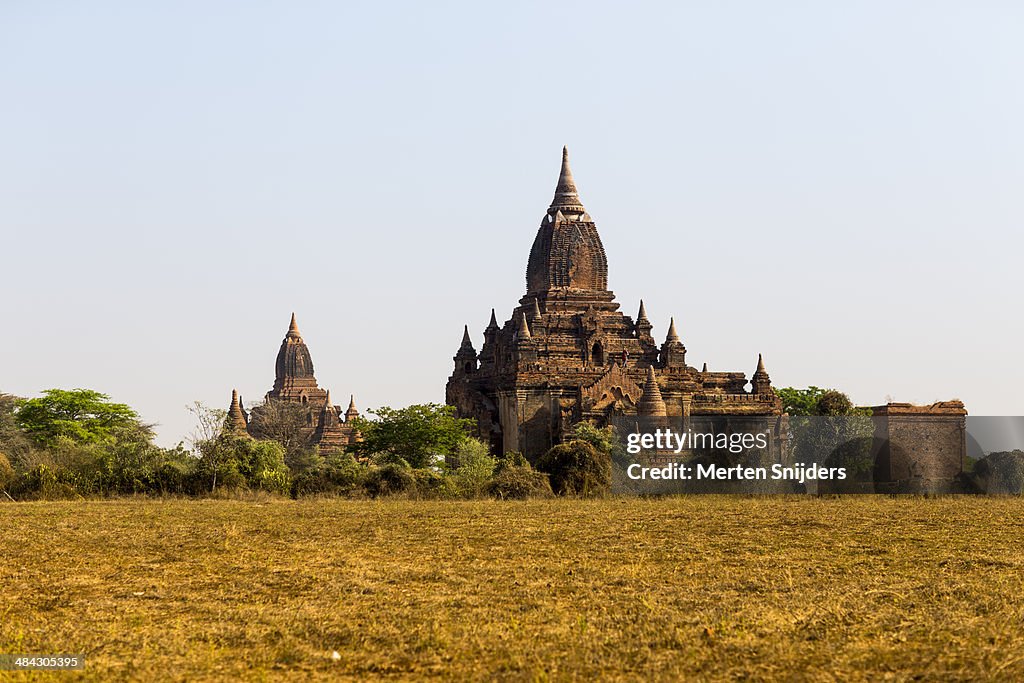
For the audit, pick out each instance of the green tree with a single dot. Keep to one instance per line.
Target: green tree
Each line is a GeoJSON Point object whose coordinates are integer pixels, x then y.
{"type": "Point", "coordinates": [828, 429]}
{"type": "Point", "coordinates": [288, 423]}
{"type": "Point", "coordinates": [234, 462]}
{"type": "Point", "coordinates": [81, 415]}
{"type": "Point", "coordinates": [13, 441]}
{"type": "Point", "coordinates": [472, 467]}
{"type": "Point", "coordinates": [419, 434]}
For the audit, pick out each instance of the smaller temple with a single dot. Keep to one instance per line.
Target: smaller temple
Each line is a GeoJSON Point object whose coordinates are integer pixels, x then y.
{"type": "Point", "coordinates": [324, 424]}
{"type": "Point", "coordinates": [237, 422]}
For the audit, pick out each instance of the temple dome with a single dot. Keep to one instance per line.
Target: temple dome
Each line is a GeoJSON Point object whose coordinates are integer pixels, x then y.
{"type": "Point", "coordinates": [567, 253]}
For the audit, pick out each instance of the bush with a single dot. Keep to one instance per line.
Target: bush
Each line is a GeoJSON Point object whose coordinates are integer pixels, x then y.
{"type": "Point", "coordinates": [43, 483]}
{"type": "Point", "coordinates": [335, 476]}
{"type": "Point", "coordinates": [471, 465]}
{"type": "Point", "coordinates": [429, 484]}
{"type": "Point", "coordinates": [519, 482]}
{"type": "Point", "coordinates": [1001, 473]}
{"type": "Point", "coordinates": [389, 480]}
{"type": "Point", "coordinates": [577, 468]}
{"type": "Point", "coordinates": [6, 472]}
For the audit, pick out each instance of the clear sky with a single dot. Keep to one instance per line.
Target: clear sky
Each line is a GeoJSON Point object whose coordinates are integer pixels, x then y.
{"type": "Point", "coordinates": [835, 185]}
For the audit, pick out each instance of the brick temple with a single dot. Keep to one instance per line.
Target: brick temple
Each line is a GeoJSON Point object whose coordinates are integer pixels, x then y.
{"type": "Point", "coordinates": [326, 426]}
{"type": "Point", "coordinates": [567, 353]}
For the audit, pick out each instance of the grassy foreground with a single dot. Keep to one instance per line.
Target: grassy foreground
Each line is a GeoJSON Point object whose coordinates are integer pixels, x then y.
{"type": "Point", "coordinates": [700, 587]}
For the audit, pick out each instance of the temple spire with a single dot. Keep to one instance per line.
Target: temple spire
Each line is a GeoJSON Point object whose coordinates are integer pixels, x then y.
{"type": "Point", "coordinates": [651, 403]}
{"type": "Point", "coordinates": [235, 423]}
{"type": "Point", "coordinates": [524, 330]}
{"type": "Point", "coordinates": [493, 325]}
{"type": "Point", "coordinates": [566, 197]}
{"type": "Point", "coordinates": [293, 329]}
{"type": "Point", "coordinates": [352, 410]}
{"type": "Point", "coordinates": [761, 383]}
{"type": "Point", "coordinates": [642, 315]}
{"type": "Point", "coordinates": [705, 368]}
{"type": "Point", "coordinates": [467, 343]}
{"type": "Point", "coordinates": [673, 336]}
{"type": "Point", "coordinates": [535, 311]}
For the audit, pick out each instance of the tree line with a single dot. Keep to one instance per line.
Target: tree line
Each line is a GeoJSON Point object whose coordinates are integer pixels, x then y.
{"type": "Point", "coordinates": [79, 443]}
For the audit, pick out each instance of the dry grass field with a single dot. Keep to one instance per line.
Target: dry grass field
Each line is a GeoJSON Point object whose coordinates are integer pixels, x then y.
{"type": "Point", "coordinates": [706, 588]}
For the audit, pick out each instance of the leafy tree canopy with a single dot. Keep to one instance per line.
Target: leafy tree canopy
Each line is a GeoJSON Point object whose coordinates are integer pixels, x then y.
{"type": "Point", "coordinates": [815, 401]}
{"type": "Point", "coordinates": [82, 415]}
{"type": "Point", "coordinates": [418, 434]}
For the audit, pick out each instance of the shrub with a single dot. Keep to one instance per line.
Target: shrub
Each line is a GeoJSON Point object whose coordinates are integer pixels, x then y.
{"type": "Point", "coordinates": [429, 483]}
{"type": "Point", "coordinates": [389, 480]}
{"type": "Point", "coordinates": [518, 482]}
{"type": "Point", "coordinates": [471, 466]}
{"type": "Point", "coordinates": [44, 483]}
{"type": "Point", "coordinates": [6, 472]}
{"type": "Point", "coordinates": [577, 468]}
{"type": "Point", "coordinates": [335, 476]}
{"type": "Point", "coordinates": [1001, 472]}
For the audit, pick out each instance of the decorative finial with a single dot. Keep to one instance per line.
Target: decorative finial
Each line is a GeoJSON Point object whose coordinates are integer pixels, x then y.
{"type": "Point", "coordinates": [760, 364]}
{"type": "Point", "coordinates": [642, 315]}
{"type": "Point", "coordinates": [466, 341]}
{"type": "Point", "coordinates": [673, 336]}
{"type": "Point", "coordinates": [351, 401]}
{"type": "Point", "coordinates": [293, 328]}
{"type": "Point", "coordinates": [536, 308]}
{"type": "Point", "coordinates": [328, 399]}
{"type": "Point", "coordinates": [705, 368]}
{"type": "Point", "coordinates": [566, 196]}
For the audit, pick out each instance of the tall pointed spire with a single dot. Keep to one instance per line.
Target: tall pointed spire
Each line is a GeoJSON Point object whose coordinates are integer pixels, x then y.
{"type": "Point", "coordinates": [493, 325]}
{"type": "Point", "coordinates": [642, 315]}
{"type": "Point", "coordinates": [761, 383]}
{"type": "Point", "coordinates": [523, 332]}
{"type": "Point", "coordinates": [293, 329]}
{"type": "Point", "coordinates": [673, 336]}
{"type": "Point", "coordinates": [235, 422]}
{"type": "Point", "coordinates": [466, 341]}
{"type": "Point", "coordinates": [352, 410]}
{"type": "Point", "coordinates": [566, 197]}
{"type": "Point", "coordinates": [535, 311]}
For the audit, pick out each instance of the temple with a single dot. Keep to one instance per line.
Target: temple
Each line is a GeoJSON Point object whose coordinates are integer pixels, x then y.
{"type": "Point", "coordinates": [326, 426]}
{"type": "Point", "coordinates": [567, 354]}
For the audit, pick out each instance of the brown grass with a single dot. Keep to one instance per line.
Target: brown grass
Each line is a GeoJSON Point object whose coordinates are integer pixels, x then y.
{"type": "Point", "coordinates": [699, 588]}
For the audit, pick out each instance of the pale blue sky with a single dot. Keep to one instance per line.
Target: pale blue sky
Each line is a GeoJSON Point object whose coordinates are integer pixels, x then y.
{"type": "Point", "coordinates": [837, 186]}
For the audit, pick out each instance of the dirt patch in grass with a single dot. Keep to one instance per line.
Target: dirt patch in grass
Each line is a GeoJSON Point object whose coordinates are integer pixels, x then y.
{"type": "Point", "coordinates": [701, 587]}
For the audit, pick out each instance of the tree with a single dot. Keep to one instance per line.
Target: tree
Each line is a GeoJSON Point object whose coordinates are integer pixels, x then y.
{"type": "Point", "coordinates": [827, 429]}
{"type": "Point", "coordinates": [241, 462]}
{"type": "Point", "coordinates": [289, 424]}
{"type": "Point", "coordinates": [418, 434]}
{"type": "Point", "coordinates": [81, 415]}
{"type": "Point", "coordinates": [13, 441]}
{"type": "Point", "coordinates": [800, 401]}
{"type": "Point", "coordinates": [473, 466]}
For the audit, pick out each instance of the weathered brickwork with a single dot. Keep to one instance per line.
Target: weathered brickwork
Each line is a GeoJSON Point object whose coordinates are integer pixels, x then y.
{"type": "Point", "coordinates": [919, 449]}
